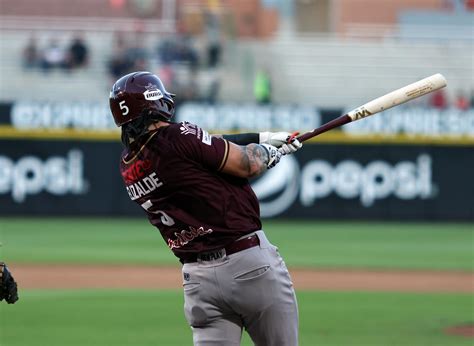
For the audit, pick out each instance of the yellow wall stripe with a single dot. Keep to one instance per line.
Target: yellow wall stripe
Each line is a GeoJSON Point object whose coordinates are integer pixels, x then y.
{"type": "Point", "coordinates": [332, 137]}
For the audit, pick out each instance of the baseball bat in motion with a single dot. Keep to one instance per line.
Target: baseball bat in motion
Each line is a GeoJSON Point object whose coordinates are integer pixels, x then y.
{"type": "Point", "coordinates": [392, 99]}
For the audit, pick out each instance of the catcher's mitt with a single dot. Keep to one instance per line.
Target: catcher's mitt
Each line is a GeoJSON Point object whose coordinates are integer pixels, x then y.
{"type": "Point", "coordinates": [8, 287]}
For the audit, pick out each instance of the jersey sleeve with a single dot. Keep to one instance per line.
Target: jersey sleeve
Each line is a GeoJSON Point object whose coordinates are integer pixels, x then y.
{"type": "Point", "coordinates": [198, 145]}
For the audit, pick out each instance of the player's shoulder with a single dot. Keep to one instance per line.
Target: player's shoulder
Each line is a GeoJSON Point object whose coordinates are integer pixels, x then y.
{"type": "Point", "coordinates": [186, 131]}
{"type": "Point", "coordinates": [184, 128]}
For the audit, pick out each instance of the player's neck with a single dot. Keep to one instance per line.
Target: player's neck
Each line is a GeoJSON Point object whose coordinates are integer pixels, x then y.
{"type": "Point", "coordinates": [157, 125]}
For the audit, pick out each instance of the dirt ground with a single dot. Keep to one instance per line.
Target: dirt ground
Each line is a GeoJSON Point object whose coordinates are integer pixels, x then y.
{"type": "Point", "coordinates": [93, 276]}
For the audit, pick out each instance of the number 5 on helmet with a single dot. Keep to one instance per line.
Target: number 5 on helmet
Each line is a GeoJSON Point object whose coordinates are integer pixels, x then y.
{"type": "Point", "coordinates": [139, 94]}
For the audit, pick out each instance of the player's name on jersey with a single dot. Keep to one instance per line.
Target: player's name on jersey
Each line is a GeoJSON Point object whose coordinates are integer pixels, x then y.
{"type": "Point", "coordinates": [144, 186]}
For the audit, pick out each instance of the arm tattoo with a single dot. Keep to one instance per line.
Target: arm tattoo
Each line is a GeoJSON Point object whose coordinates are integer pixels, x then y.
{"type": "Point", "coordinates": [254, 159]}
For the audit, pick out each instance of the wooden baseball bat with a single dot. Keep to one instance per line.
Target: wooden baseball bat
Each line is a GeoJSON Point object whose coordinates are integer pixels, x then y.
{"type": "Point", "coordinates": [392, 99]}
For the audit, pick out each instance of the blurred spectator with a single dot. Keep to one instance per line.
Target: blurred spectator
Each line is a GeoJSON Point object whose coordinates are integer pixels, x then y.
{"type": "Point", "coordinates": [136, 52]}
{"type": "Point", "coordinates": [165, 51]}
{"type": "Point", "coordinates": [128, 55]}
{"type": "Point", "coordinates": [262, 87]}
{"type": "Point", "coordinates": [189, 90]}
{"type": "Point", "coordinates": [211, 86]}
{"type": "Point", "coordinates": [213, 34]}
{"type": "Point", "coordinates": [178, 62]}
{"type": "Point", "coordinates": [167, 76]}
{"type": "Point", "coordinates": [53, 56]}
{"type": "Point", "coordinates": [187, 52]}
{"type": "Point", "coordinates": [78, 52]}
{"type": "Point", "coordinates": [461, 101]}
{"type": "Point", "coordinates": [118, 64]}
{"type": "Point", "coordinates": [439, 100]}
{"type": "Point", "coordinates": [30, 54]}
{"type": "Point", "coordinates": [178, 49]}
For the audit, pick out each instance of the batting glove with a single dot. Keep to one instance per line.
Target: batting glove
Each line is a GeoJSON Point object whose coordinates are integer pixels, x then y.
{"type": "Point", "coordinates": [274, 155]}
{"type": "Point", "coordinates": [280, 140]}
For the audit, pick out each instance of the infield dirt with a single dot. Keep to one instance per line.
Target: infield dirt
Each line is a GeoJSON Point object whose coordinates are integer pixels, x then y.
{"type": "Point", "coordinates": [93, 276]}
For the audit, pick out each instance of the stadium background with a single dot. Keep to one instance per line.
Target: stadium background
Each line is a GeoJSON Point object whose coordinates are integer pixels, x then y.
{"type": "Point", "coordinates": [374, 219]}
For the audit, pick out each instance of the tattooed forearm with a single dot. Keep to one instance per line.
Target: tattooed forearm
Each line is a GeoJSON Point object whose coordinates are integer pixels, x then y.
{"type": "Point", "coordinates": [254, 159]}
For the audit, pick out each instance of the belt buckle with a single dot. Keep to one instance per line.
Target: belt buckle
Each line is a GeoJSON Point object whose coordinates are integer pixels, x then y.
{"type": "Point", "coordinates": [211, 256]}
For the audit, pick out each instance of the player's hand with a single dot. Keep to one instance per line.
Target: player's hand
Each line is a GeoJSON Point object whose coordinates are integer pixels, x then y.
{"type": "Point", "coordinates": [286, 142]}
{"type": "Point", "coordinates": [290, 148]}
{"type": "Point", "coordinates": [274, 155]}
{"type": "Point", "coordinates": [8, 286]}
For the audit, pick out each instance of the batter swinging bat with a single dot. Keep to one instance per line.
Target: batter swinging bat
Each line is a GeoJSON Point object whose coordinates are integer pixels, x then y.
{"type": "Point", "coordinates": [395, 98]}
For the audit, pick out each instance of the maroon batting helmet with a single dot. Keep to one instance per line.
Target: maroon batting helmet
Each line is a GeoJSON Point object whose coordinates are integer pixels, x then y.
{"type": "Point", "coordinates": [140, 94]}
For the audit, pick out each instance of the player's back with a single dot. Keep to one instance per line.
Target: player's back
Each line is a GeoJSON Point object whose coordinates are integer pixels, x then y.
{"type": "Point", "coordinates": [174, 174]}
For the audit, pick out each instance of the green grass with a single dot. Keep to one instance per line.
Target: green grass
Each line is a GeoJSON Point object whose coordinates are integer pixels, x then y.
{"type": "Point", "coordinates": [377, 245]}
{"type": "Point", "coordinates": [125, 317]}
{"type": "Point", "coordinates": [144, 317]}
{"type": "Point", "coordinates": [436, 246]}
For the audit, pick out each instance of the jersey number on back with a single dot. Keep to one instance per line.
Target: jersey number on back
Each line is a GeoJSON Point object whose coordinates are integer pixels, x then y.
{"type": "Point", "coordinates": [165, 218]}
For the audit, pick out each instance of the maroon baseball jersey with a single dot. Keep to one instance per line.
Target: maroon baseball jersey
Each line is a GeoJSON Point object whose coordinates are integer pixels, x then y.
{"type": "Point", "coordinates": [175, 175]}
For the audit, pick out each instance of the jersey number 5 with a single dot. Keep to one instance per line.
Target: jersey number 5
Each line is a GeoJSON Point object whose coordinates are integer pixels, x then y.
{"type": "Point", "coordinates": [165, 218]}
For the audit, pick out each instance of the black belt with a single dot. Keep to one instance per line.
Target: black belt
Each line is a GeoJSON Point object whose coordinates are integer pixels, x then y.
{"type": "Point", "coordinates": [236, 246]}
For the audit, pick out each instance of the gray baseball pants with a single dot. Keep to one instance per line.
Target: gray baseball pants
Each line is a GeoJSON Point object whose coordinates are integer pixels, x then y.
{"type": "Point", "coordinates": [250, 289]}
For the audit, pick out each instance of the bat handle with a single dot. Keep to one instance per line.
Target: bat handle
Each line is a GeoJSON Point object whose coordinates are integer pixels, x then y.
{"type": "Point", "coordinates": [305, 136]}
{"type": "Point", "coordinates": [342, 120]}
{"type": "Point", "coordinates": [291, 138]}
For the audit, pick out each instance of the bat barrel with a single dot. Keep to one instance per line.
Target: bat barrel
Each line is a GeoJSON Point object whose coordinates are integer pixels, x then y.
{"type": "Point", "coordinates": [399, 96]}
{"type": "Point", "coordinates": [392, 99]}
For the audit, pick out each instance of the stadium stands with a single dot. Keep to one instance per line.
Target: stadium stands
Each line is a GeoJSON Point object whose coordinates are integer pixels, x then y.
{"type": "Point", "coordinates": [324, 69]}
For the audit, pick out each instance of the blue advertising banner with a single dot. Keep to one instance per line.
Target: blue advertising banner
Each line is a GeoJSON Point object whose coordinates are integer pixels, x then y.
{"type": "Point", "coordinates": [322, 181]}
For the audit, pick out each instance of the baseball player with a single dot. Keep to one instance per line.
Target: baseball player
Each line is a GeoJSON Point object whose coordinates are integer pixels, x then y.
{"type": "Point", "coordinates": [8, 286]}
{"type": "Point", "coordinates": [194, 189]}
